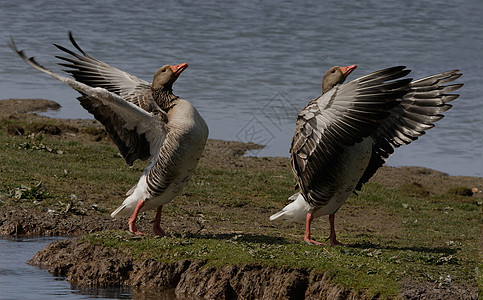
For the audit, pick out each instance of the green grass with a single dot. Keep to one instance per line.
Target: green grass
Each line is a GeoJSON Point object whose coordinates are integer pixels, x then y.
{"type": "Point", "coordinates": [357, 268]}
{"type": "Point", "coordinates": [237, 188]}
{"type": "Point", "coordinates": [431, 236]}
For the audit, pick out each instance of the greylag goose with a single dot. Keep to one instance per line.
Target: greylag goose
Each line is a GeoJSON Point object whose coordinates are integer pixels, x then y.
{"type": "Point", "coordinates": [342, 137]}
{"type": "Point", "coordinates": [145, 120]}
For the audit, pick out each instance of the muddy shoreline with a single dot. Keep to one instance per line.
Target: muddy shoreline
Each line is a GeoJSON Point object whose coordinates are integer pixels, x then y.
{"type": "Point", "coordinates": [85, 264]}
{"type": "Point", "coordinates": [73, 259]}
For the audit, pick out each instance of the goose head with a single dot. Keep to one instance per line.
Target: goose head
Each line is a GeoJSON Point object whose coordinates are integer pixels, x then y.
{"type": "Point", "coordinates": [336, 75]}
{"type": "Point", "coordinates": [165, 77]}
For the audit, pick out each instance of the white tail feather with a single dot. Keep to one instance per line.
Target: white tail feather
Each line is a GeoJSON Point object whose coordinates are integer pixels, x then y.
{"type": "Point", "coordinates": [295, 211]}
{"type": "Point", "coordinates": [118, 210]}
{"type": "Point", "coordinates": [136, 193]}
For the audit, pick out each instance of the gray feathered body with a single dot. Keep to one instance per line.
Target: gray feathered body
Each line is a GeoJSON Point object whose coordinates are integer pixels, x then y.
{"type": "Point", "coordinates": [342, 137]}
{"type": "Point", "coordinates": [168, 172]}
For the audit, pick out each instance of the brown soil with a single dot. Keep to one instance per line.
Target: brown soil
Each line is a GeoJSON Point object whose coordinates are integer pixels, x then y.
{"type": "Point", "coordinates": [72, 258]}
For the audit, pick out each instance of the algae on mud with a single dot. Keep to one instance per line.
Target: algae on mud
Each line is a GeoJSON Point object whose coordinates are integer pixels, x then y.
{"type": "Point", "coordinates": [407, 225]}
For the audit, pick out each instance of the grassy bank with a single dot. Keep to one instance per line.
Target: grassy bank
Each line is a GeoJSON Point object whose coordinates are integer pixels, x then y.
{"type": "Point", "coordinates": [395, 232]}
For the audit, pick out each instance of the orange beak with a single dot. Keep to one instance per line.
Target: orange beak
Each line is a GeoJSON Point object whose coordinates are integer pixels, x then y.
{"type": "Point", "coordinates": [347, 70]}
{"type": "Point", "coordinates": [179, 68]}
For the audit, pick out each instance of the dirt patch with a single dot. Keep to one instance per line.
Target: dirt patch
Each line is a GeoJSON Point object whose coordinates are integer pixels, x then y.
{"type": "Point", "coordinates": [433, 291]}
{"type": "Point", "coordinates": [10, 107]}
{"type": "Point", "coordinates": [18, 222]}
{"type": "Point", "coordinates": [430, 181]}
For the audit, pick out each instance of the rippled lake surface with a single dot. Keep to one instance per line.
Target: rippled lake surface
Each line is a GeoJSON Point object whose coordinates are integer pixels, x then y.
{"type": "Point", "coordinates": [18, 280]}
{"type": "Point", "coordinates": [255, 64]}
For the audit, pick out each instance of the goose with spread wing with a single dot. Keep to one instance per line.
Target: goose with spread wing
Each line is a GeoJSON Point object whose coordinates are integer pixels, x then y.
{"type": "Point", "coordinates": [145, 120]}
{"type": "Point", "coordinates": [342, 137]}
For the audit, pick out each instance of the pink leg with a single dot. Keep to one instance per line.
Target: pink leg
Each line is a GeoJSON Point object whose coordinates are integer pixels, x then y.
{"type": "Point", "coordinates": [157, 220]}
{"type": "Point", "coordinates": [134, 216]}
{"type": "Point", "coordinates": [333, 240]}
{"type": "Point", "coordinates": [307, 231]}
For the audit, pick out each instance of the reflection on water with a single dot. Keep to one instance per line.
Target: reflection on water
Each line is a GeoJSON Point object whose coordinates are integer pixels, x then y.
{"type": "Point", "coordinates": [126, 293]}
{"type": "Point", "coordinates": [18, 280]}
{"type": "Point", "coordinates": [105, 293]}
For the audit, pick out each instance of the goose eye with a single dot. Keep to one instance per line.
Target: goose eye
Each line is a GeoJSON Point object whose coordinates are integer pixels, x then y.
{"type": "Point", "coordinates": [333, 71]}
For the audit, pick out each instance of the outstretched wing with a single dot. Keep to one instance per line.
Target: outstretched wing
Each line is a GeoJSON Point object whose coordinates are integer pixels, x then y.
{"type": "Point", "coordinates": [95, 73]}
{"type": "Point", "coordinates": [137, 133]}
{"type": "Point", "coordinates": [339, 118]}
{"type": "Point", "coordinates": [420, 108]}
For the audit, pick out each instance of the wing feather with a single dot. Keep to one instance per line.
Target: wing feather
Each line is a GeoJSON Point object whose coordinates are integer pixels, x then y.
{"type": "Point", "coordinates": [391, 110]}
{"type": "Point", "coordinates": [336, 120]}
{"type": "Point", "coordinates": [137, 133]}
{"type": "Point", "coordinates": [95, 73]}
{"type": "Point", "coordinates": [420, 108]}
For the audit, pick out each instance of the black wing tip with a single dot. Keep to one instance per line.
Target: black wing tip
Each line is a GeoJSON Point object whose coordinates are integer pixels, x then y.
{"type": "Point", "coordinates": [70, 52]}
{"type": "Point", "coordinates": [456, 75]}
{"type": "Point", "coordinates": [396, 69]}
{"type": "Point", "coordinates": [403, 82]}
{"type": "Point", "coordinates": [401, 71]}
{"type": "Point", "coordinates": [452, 74]}
{"type": "Point", "coordinates": [20, 53]}
{"type": "Point", "coordinates": [386, 74]}
{"type": "Point", "coordinates": [13, 46]}
{"type": "Point", "coordinates": [456, 86]}
{"type": "Point", "coordinates": [23, 56]}
{"type": "Point", "coordinates": [77, 58]}
{"type": "Point", "coordinates": [74, 43]}
{"type": "Point", "coordinates": [405, 72]}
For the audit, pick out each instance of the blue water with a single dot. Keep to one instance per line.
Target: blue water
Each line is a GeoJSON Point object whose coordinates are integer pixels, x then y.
{"type": "Point", "coordinates": [18, 280]}
{"type": "Point", "coordinates": [255, 64]}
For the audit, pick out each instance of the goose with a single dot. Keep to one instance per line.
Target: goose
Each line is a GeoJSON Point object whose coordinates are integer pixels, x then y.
{"type": "Point", "coordinates": [343, 136]}
{"type": "Point", "coordinates": [145, 120]}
